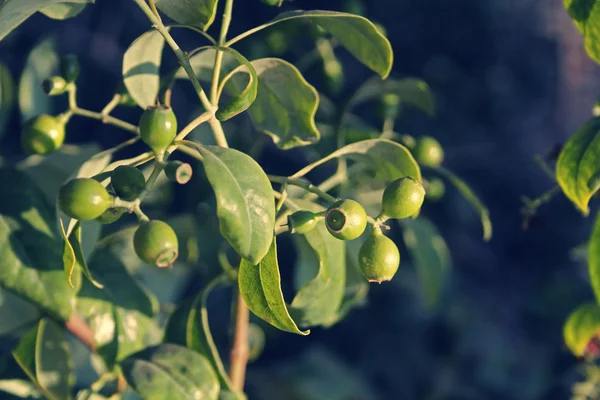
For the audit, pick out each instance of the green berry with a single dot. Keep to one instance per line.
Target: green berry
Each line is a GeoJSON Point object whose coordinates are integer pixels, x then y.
{"type": "Point", "coordinates": [69, 67]}
{"type": "Point", "coordinates": [378, 257]}
{"type": "Point", "coordinates": [346, 219]}
{"type": "Point", "coordinates": [127, 182]}
{"type": "Point", "coordinates": [303, 221]}
{"type": "Point", "coordinates": [156, 243]}
{"type": "Point", "coordinates": [158, 127]}
{"type": "Point", "coordinates": [84, 199]}
{"type": "Point", "coordinates": [111, 215]}
{"type": "Point", "coordinates": [54, 86]}
{"type": "Point", "coordinates": [179, 172]}
{"type": "Point", "coordinates": [428, 151]}
{"type": "Point", "coordinates": [43, 134]}
{"type": "Point", "coordinates": [435, 190]}
{"type": "Point", "coordinates": [402, 198]}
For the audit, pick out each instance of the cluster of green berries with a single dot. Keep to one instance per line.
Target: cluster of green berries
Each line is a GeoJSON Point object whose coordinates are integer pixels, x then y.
{"type": "Point", "coordinates": [86, 199]}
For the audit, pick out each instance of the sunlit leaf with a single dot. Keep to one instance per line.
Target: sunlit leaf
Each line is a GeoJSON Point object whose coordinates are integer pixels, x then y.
{"type": "Point", "coordinates": [581, 327]}
{"type": "Point", "coordinates": [238, 102]}
{"type": "Point", "coordinates": [594, 258]}
{"type": "Point", "coordinates": [586, 16]}
{"type": "Point", "coordinates": [199, 13]}
{"type": "Point", "coordinates": [62, 11]}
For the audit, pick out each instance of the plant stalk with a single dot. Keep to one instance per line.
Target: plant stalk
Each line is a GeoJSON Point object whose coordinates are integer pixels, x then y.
{"type": "Point", "coordinates": [240, 350]}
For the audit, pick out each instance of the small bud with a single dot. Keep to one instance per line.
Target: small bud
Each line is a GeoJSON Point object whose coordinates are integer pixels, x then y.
{"type": "Point", "coordinates": [54, 86]}
{"type": "Point", "coordinates": [179, 172]}
{"type": "Point", "coordinates": [303, 221]}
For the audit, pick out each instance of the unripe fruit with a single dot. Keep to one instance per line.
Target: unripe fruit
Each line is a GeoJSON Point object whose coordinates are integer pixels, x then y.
{"type": "Point", "coordinates": [84, 199]}
{"type": "Point", "coordinates": [346, 219]}
{"type": "Point", "coordinates": [378, 257]}
{"type": "Point", "coordinates": [127, 182]}
{"type": "Point", "coordinates": [435, 190]}
{"type": "Point", "coordinates": [402, 198]}
{"type": "Point", "coordinates": [69, 67]}
{"type": "Point", "coordinates": [179, 172]}
{"type": "Point", "coordinates": [43, 134]}
{"type": "Point", "coordinates": [111, 215]}
{"type": "Point", "coordinates": [54, 86]}
{"type": "Point", "coordinates": [158, 127]}
{"type": "Point", "coordinates": [156, 243]}
{"type": "Point", "coordinates": [428, 151]}
{"type": "Point", "coordinates": [303, 221]}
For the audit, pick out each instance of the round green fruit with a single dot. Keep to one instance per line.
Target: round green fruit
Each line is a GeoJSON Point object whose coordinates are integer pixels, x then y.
{"type": "Point", "coordinates": [84, 199]}
{"type": "Point", "coordinates": [69, 68]}
{"type": "Point", "coordinates": [378, 257]}
{"type": "Point", "coordinates": [156, 243]}
{"type": "Point", "coordinates": [43, 134]}
{"type": "Point", "coordinates": [402, 198]}
{"type": "Point", "coordinates": [346, 219]}
{"type": "Point", "coordinates": [158, 127]}
{"type": "Point", "coordinates": [111, 215]}
{"type": "Point", "coordinates": [435, 189]}
{"type": "Point", "coordinates": [179, 172]}
{"type": "Point", "coordinates": [303, 221]}
{"type": "Point", "coordinates": [428, 151]}
{"type": "Point", "coordinates": [54, 86]}
{"type": "Point", "coordinates": [127, 182]}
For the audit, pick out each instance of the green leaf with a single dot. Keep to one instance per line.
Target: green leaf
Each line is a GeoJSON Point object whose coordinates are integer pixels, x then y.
{"type": "Point", "coordinates": [586, 16]}
{"type": "Point", "coordinates": [430, 255]}
{"type": "Point", "coordinates": [577, 168]}
{"type": "Point", "coordinates": [390, 160]}
{"type": "Point", "coordinates": [120, 315]}
{"type": "Point", "coordinates": [169, 371]}
{"type": "Point", "coordinates": [14, 12]}
{"type": "Point", "coordinates": [240, 102]}
{"type": "Point", "coordinates": [30, 249]}
{"type": "Point", "coordinates": [320, 273]}
{"type": "Point", "coordinates": [7, 96]}
{"type": "Point", "coordinates": [356, 34]}
{"type": "Point", "coordinates": [468, 194]}
{"type": "Point", "coordinates": [410, 91]}
{"type": "Point", "coordinates": [199, 13]}
{"type": "Point", "coordinates": [581, 327]}
{"type": "Point", "coordinates": [188, 326]}
{"type": "Point", "coordinates": [74, 259]}
{"type": "Point", "coordinates": [141, 64]}
{"type": "Point", "coordinates": [63, 11]}
{"type": "Point", "coordinates": [594, 258]}
{"type": "Point", "coordinates": [245, 201]}
{"type": "Point", "coordinates": [260, 286]}
{"type": "Point", "coordinates": [286, 104]}
{"type": "Point", "coordinates": [43, 354]}
{"type": "Point", "coordinates": [41, 63]}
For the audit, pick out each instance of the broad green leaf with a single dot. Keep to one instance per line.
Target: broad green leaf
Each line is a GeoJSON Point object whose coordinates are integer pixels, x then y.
{"type": "Point", "coordinates": [245, 201]}
{"type": "Point", "coordinates": [141, 64]}
{"type": "Point", "coordinates": [188, 326]}
{"type": "Point", "coordinates": [120, 314]}
{"type": "Point", "coordinates": [238, 102]}
{"type": "Point", "coordinates": [468, 194]}
{"type": "Point", "coordinates": [430, 254]}
{"type": "Point", "coordinates": [390, 160]}
{"type": "Point", "coordinates": [581, 327]}
{"type": "Point", "coordinates": [286, 104]}
{"type": "Point", "coordinates": [168, 371]}
{"type": "Point", "coordinates": [43, 354]}
{"type": "Point", "coordinates": [7, 96]}
{"type": "Point", "coordinates": [577, 168]}
{"type": "Point", "coordinates": [410, 91]}
{"type": "Point", "coordinates": [62, 11]}
{"type": "Point", "coordinates": [320, 274]}
{"type": "Point", "coordinates": [14, 12]}
{"type": "Point", "coordinates": [15, 314]}
{"type": "Point", "coordinates": [30, 248]}
{"type": "Point", "coordinates": [260, 287]}
{"type": "Point", "coordinates": [356, 34]}
{"type": "Point", "coordinates": [586, 16]}
{"type": "Point", "coordinates": [594, 258]}
{"type": "Point", "coordinates": [74, 259]}
{"type": "Point", "coordinates": [41, 63]}
{"type": "Point", "coordinates": [199, 13]}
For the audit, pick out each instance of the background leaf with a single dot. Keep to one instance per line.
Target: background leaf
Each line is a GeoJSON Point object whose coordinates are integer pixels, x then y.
{"type": "Point", "coordinates": [245, 201]}
{"type": "Point", "coordinates": [260, 286]}
{"type": "Point", "coordinates": [7, 96]}
{"type": "Point", "coordinates": [594, 258]}
{"type": "Point", "coordinates": [30, 248]}
{"type": "Point", "coordinates": [430, 255]}
{"type": "Point", "coordinates": [586, 15]}
{"type": "Point", "coordinates": [14, 12]}
{"type": "Point", "coordinates": [141, 64]}
{"type": "Point", "coordinates": [63, 11]}
{"type": "Point", "coordinates": [199, 13]}
{"type": "Point", "coordinates": [577, 170]}
{"type": "Point", "coordinates": [582, 326]}
{"type": "Point", "coordinates": [41, 63]}
{"type": "Point", "coordinates": [170, 371]}
{"type": "Point", "coordinates": [43, 354]}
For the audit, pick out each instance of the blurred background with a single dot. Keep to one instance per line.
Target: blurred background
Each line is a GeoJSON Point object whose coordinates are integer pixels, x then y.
{"type": "Point", "coordinates": [511, 81]}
